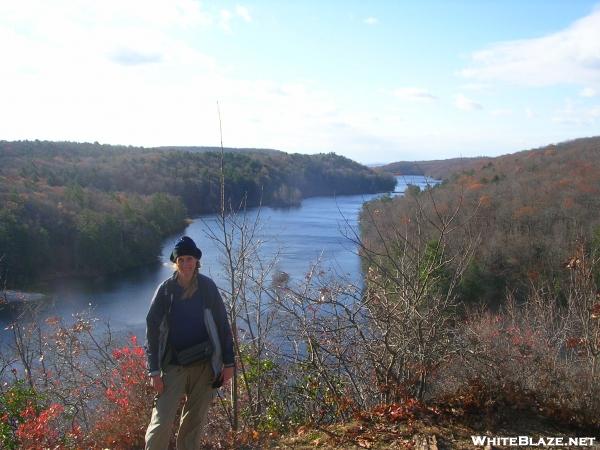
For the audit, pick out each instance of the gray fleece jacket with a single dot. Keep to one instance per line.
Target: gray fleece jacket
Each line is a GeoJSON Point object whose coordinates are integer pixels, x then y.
{"type": "Point", "coordinates": [215, 320]}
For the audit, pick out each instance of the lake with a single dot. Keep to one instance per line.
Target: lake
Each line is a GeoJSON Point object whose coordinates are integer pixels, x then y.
{"type": "Point", "coordinates": [313, 231]}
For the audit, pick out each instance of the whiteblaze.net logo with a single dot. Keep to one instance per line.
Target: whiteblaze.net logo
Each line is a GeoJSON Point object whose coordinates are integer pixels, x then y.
{"type": "Point", "coordinates": [528, 441]}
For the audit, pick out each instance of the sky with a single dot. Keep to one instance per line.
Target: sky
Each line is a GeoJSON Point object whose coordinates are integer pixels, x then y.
{"type": "Point", "coordinates": [376, 81]}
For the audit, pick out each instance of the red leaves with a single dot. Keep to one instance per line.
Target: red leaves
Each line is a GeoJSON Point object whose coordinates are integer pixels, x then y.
{"type": "Point", "coordinates": [485, 200]}
{"type": "Point", "coordinates": [122, 408]}
{"type": "Point", "coordinates": [577, 344]}
{"type": "Point", "coordinates": [574, 342]}
{"type": "Point", "coordinates": [409, 409]}
{"type": "Point", "coordinates": [123, 422]}
{"type": "Point", "coordinates": [524, 211]}
{"type": "Point", "coordinates": [475, 186]}
{"type": "Point", "coordinates": [129, 353]}
{"type": "Point", "coordinates": [39, 431]}
{"type": "Point", "coordinates": [53, 320]}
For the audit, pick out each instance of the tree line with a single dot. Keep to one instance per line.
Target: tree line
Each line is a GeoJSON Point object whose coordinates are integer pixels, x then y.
{"type": "Point", "coordinates": [81, 208]}
{"type": "Point", "coordinates": [535, 209]}
{"type": "Point", "coordinates": [437, 169]}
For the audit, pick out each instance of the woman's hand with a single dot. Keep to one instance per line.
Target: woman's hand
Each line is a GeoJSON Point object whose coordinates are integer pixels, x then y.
{"type": "Point", "coordinates": [157, 383]}
{"type": "Point", "coordinates": [227, 374]}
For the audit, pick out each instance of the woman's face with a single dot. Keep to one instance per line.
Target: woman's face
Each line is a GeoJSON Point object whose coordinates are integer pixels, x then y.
{"type": "Point", "coordinates": [186, 266]}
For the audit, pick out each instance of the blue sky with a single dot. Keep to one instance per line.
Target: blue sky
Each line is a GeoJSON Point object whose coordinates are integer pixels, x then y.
{"type": "Point", "coordinates": [375, 81]}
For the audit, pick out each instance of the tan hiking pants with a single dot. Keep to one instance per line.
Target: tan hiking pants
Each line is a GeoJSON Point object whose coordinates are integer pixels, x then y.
{"type": "Point", "coordinates": [194, 383]}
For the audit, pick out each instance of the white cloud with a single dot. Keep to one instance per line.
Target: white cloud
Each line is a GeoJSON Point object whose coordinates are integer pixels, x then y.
{"type": "Point", "coordinates": [572, 114]}
{"type": "Point", "coordinates": [243, 12]}
{"type": "Point", "coordinates": [571, 56]}
{"type": "Point", "coordinates": [476, 87]}
{"type": "Point", "coordinates": [466, 104]}
{"type": "Point", "coordinates": [227, 17]}
{"type": "Point", "coordinates": [501, 112]}
{"type": "Point", "coordinates": [39, 37]}
{"type": "Point", "coordinates": [588, 92]}
{"type": "Point", "coordinates": [131, 57]}
{"type": "Point", "coordinates": [225, 20]}
{"type": "Point", "coordinates": [414, 93]}
{"type": "Point", "coordinates": [529, 113]}
{"type": "Point", "coordinates": [371, 21]}
{"type": "Point", "coordinates": [566, 120]}
{"type": "Point", "coordinates": [77, 74]}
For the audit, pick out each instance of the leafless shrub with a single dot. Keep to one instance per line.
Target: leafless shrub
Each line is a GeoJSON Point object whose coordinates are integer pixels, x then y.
{"type": "Point", "coordinates": [69, 364]}
{"type": "Point", "coordinates": [544, 349]}
{"type": "Point", "coordinates": [413, 272]}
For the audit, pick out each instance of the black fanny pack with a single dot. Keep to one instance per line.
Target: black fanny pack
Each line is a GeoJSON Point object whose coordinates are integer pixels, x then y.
{"type": "Point", "coordinates": [195, 353]}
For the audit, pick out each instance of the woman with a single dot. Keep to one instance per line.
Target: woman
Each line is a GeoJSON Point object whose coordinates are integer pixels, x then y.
{"type": "Point", "coordinates": [189, 349]}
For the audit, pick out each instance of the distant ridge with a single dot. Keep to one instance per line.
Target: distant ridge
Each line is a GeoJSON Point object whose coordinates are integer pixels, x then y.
{"type": "Point", "coordinates": [204, 149]}
{"type": "Point", "coordinates": [176, 148]}
{"type": "Point", "coordinates": [435, 169]}
{"type": "Point", "coordinates": [443, 168]}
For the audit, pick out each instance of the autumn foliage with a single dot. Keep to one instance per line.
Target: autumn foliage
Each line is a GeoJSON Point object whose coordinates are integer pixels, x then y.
{"type": "Point", "coordinates": [114, 414]}
{"type": "Point", "coordinates": [531, 207]}
{"type": "Point", "coordinates": [125, 414]}
{"type": "Point", "coordinates": [480, 304]}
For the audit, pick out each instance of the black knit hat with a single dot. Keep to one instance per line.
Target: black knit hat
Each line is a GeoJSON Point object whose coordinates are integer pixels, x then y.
{"type": "Point", "coordinates": [185, 246]}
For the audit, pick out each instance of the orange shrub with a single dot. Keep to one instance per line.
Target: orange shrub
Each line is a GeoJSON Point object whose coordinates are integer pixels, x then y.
{"type": "Point", "coordinates": [122, 422]}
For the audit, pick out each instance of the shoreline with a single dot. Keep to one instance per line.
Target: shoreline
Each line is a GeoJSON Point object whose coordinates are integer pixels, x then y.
{"type": "Point", "coordinates": [10, 297]}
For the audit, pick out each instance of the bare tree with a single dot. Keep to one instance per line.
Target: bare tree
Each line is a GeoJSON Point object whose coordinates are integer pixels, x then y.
{"type": "Point", "coordinates": [248, 277]}
{"type": "Point", "coordinates": [414, 263]}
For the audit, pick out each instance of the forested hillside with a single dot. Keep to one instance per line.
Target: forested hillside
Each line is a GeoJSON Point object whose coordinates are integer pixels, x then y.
{"type": "Point", "coordinates": [437, 169]}
{"type": "Point", "coordinates": [199, 149]}
{"type": "Point", "coordinates": [485, 287]}
{"type": "Point", "coordinates": [89, 209]}
{"type": "Point", "coordinates": [531, 212]}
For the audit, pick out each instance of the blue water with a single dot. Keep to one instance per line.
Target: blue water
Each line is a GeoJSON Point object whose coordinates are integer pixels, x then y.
{"type": "Point", "coordinates": [315, 231]}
